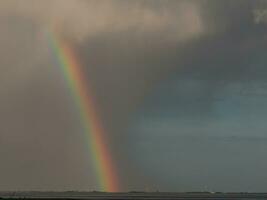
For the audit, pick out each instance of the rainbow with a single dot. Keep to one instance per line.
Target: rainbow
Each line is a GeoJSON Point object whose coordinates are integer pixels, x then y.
{"type": "Point", "coordinates": [82, 94]}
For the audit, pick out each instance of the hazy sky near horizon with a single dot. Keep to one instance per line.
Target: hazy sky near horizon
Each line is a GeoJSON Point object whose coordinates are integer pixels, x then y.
{"type": "Point", "coordinates": [181, 88]}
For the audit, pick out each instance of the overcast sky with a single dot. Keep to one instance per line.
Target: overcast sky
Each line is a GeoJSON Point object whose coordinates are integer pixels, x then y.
{"type": "Point", "coordinates": [181, 87]}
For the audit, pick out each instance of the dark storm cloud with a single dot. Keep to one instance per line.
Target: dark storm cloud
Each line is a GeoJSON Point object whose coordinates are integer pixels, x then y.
{"type": "Point", "coordinates": [142, 59]}
{"type": "Point", "coordinates": [127, 49]}
{"type": "Point", "coordinates": [209, 95]}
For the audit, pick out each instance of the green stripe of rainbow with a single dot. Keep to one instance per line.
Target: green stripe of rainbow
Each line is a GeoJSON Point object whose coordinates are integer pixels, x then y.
{"type": "Point", "coordinates": [84, 100]}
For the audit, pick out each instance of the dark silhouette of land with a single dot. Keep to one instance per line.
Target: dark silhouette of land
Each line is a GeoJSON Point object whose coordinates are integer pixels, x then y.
{"type": "Point", "coordinates": [132, 195]}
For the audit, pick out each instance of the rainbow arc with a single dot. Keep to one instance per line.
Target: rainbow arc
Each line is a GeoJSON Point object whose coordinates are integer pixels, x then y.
{"type": "Point", "coordinates": [84, 100]}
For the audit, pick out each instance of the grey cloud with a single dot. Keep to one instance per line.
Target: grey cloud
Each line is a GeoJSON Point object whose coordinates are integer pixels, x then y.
{"type": "Point", "coordinates": [79, 19]}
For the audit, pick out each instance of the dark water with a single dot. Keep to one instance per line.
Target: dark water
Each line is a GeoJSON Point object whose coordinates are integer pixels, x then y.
{"type": "Point", "coordinates": [131, 195]}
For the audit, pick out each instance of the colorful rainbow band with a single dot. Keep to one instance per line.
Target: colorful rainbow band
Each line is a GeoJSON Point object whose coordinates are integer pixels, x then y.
{"type": "Point", "coordinates": [84, 100]}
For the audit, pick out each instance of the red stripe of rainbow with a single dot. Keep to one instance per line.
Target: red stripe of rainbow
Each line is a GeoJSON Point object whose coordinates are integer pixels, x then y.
{"type": "Point", "coordinates": [84, 100]}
